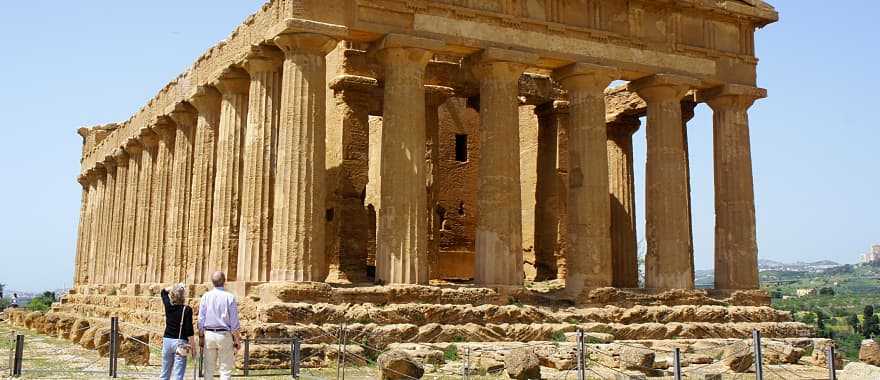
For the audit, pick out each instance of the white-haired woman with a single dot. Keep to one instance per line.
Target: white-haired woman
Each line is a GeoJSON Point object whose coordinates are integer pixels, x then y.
{"type": "Point", "coordinates": [177, 342]}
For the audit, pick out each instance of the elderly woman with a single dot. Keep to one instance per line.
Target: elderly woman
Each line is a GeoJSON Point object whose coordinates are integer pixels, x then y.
{"type": "Point", "coordinates": [178, 332]}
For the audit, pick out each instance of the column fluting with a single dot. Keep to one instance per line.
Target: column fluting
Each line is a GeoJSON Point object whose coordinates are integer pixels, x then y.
{"type": "Point", "coordinates": [621, 181]}
{"type": "Point", "coordinates": [499, 256]}
{"type": "Point", "coordinates": [668, 262]}
{"type": "Point", "coordinates": [162, 177]}
{"type": "Point", "coordinates": [298, 209]}
{"type": "Point", "coordinates": [115, 260]}
{"type": "Point", "coordinates": [134, 150]}
{"type": "Point", "coordinates": [198, 249]}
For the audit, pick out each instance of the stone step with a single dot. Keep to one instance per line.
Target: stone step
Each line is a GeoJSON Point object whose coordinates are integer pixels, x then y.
{"type": "Point", "coordinates": [306, 313]}
{"type": "Point", "coordinates": [149, 310]}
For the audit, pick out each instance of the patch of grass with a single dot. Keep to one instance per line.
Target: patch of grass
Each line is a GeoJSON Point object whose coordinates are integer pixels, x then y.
{"type": "Point", "coordinates": [458, 339]}
{"type": "Point", "coordinates": [558, 336]}
{"type": "Point", "coordinates": [451, 353]}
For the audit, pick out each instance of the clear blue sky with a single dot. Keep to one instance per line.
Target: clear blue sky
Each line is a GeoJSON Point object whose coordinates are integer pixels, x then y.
{"type": "Point", "coordinates": [68, 64]}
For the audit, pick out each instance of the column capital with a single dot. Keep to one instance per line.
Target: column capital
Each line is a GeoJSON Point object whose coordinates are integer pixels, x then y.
{"type": "Point", "coordinates": [83, 180]}
{"type": "Point", "coordinates": [263, 58]}
{"type": "Point", "coordinates": [121, 157]}
{"type": "Point", "coordinates": [205, 99]}
{"type": "Point", "coordinates": [183, 114]}
{"type": "Point", "coordinates": [731, 96]}
{"type": "Point", "coordinates": [500, 63]}
{"type": "Point", "coordinates": [661, 87]}
{"type": "Point", "coordinates": [303, 26]}
{"type": "Point", "coordinates": [586, 76]}
{"type": "Point", "coordinates": [164, 127]}
{"type": "Point", "coordinates": [305, 43]}
{"type": "Point", "coordinates": [99, 170]}
{"type": "Point", "coordinates": [133, 147]}
{"type": "Point", "coordinates": [233, 81]}
{"type": "Point", "coordinates": [148, 138]}
{"type": "Point", "coordinates": [110, 163]}
{"type": "Point", "coordinates": [552, 108]}
{"type": "Point", "coordinates": [399, 48]}
{"type": "Point", "coordinates": [623, 125]}
{"type": "Point", "coordinates": [437, 95]}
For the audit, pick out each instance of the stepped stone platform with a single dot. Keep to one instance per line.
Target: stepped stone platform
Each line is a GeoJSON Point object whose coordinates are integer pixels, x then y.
{"type": "Point", "coordinates": [427, 320]}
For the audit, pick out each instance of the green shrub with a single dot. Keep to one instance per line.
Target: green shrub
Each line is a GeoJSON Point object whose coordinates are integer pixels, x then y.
{"type": "Point", "coordinates": [450, 353]}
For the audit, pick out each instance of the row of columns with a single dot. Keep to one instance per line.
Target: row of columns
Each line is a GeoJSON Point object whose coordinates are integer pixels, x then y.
{"type": "Point", "coordinates": [235, 179]}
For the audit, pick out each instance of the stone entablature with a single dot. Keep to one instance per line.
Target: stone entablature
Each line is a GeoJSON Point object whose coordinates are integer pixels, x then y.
{"type": "Point", "coordinates": [709, 40]}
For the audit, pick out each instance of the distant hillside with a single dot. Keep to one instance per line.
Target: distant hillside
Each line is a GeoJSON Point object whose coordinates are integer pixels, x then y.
{"type": "Point", "coordinates": [799, 266]}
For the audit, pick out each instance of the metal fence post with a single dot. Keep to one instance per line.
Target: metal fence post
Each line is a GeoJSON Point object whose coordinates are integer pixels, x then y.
{"type": "Point", "coordinates": [19, 353]}
{"type": "Point", "coordinates": [759, 355]}
{"type": "Point", "coordinates": [247, 356]}
{"type": "Point", "coordinates": [677, 363]}
{"type": "Point", "coordinates": [294, 357]}
{"type": "Point", "coordinates": [114, 345]}
{"type": "Point", "coordinates": [342, 354]}
{"type": "Point", "coordinates": [465, 370]}
{"type": "Point", "coordinates": [579, 349]}
{"type": "Point", "coordinates": [832, 371]}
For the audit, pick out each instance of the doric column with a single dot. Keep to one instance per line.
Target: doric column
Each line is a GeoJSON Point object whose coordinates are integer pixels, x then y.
{"type": "Point", "coordinates": [184, 117]}
{"type": "Point", "coordinates": [105, 244]}
{"type": "Point", "coordinates": [347, 166]}
{"type": "Point", "coordinates": [134, 150]}
{"type": "Point", "coordinates": [590, 262]}
{"type": "Point", "coordinates": [435, 96]}
{"type": "Point", "coordinates": [687, 113]}
{"type": "Point", "coordinates": [233, 87]}
{"type": "Point", "coordinates": [206, 100]}
{"type": "Point", "coordinates": [401, 227]}
{"type": "Point", "coordinates": [114, 259]}
{"type": "Point", "coordinates": [82, 231]}
{"type": "Point", "coordinates": [99, 177]}
{"type": "Point", "coordinates": [668, 262]}
{"type": "Point", "coordinates": [298, 209]}
{"type": "Point", "coordinates": [145, 198]}
{"type": "Point", "coordinates": [499, 258]}
{"type": "Point", "coordinates": [548, 190]}
{"type": "Point", "coordinates": [621, 181]}
{"type": "Point", "coordinates": [255, 248]}
{"type": "Point", "coordinates": [736, 248]}
{"type": "Point", "coordinates": [162, 176]}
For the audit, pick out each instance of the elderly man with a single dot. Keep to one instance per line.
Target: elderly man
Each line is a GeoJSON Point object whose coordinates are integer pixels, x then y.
{"type": "Point", "coordinates": [219, 328]}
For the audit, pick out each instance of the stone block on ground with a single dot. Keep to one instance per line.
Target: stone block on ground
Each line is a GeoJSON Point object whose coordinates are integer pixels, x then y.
{"type": "Point", "coordinates": [636, 358]}
{"type": "Point", "coordinates": [522, 364]}
{"type": "Point", "coordinates": [398, 365]}
{"type": "Point", "coordinates": [869, 353]}
{"type": "Point", "coordinates": [820, 353]}
{"type": "Point", "coordinates": [739, 357]}
{"type": "Point", "coordinates": [859, 371]}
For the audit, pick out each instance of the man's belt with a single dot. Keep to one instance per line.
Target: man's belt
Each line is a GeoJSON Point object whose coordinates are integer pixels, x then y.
{"type": "Point", "coordinates": [217, 330]}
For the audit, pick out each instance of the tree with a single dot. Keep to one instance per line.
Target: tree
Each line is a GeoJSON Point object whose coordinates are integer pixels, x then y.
{"type": "Point", "coordinates": [854, 322]}
{"type": "Point", "coordinates": [820, 322]}
{"type": "Point", "coordinates": [42, 302]}
{"type": "Point", "coordinates": [870, 323]}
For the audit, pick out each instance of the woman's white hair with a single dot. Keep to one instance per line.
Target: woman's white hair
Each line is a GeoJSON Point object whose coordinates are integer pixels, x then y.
{"type": "Point", "coordinates": [178, 294]}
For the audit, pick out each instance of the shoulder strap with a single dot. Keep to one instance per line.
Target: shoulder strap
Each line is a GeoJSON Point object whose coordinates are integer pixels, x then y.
{"type": "Point", "coordinates": [182, 314]}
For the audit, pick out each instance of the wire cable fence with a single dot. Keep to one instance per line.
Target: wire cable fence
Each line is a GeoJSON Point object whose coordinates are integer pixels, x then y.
{"type": "Point", "coordinates": [352, 351]}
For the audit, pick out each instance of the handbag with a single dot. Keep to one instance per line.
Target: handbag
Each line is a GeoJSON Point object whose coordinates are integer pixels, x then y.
{"type": "Point", "coordinates": [183, 348]}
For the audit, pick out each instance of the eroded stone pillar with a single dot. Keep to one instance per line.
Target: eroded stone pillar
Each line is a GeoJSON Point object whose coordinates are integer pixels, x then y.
{"type": "Point", "coordinates": [298, 210]}
{"type": "Point", "coordinates": [668, 262]}
{"type": "Point", "coordinates": [134, 150]}
{"type": "Point", "coordinates": [548, 190]}
{"type": "Point", "coordinates": [255, 230]}
{"type": "Point", "coordinates": [105, 244]}
{"type": "Point", "coordinates": [115, 254]}
{"type": "Point", "coordinates": [227, 179]}
{"type": "Point", "coordinates": [347, 167]}
{"type": "Point", "coordinates": [162, 177]}
{"type": "Point", "coordinates": [736, 247]}
{"type": "Point", "coordinates": [621, 181]}
{"type": "Point", "coordinates": [499, 257]}
{"type": "Point", "coordinates": [402, 222]}
{"type": "Point", "coordinates": [590, 262]}
{"type": "Point", "coordinates": [435, 96]}
{"type": "Point", "coordinates": [82, 230]}
{"type": "Point", "coordinates": [184, 117]}
{"type": "Point", "coordinates": [99, 178]}
{"type": "Point", "coordinates": [206, 100]}
{"type": "Point", "coordinates": [145, 200]}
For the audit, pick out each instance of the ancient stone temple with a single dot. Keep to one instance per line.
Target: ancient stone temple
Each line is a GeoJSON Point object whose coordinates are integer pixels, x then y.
{"type": "Point", "coordinates": [467, 146]}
